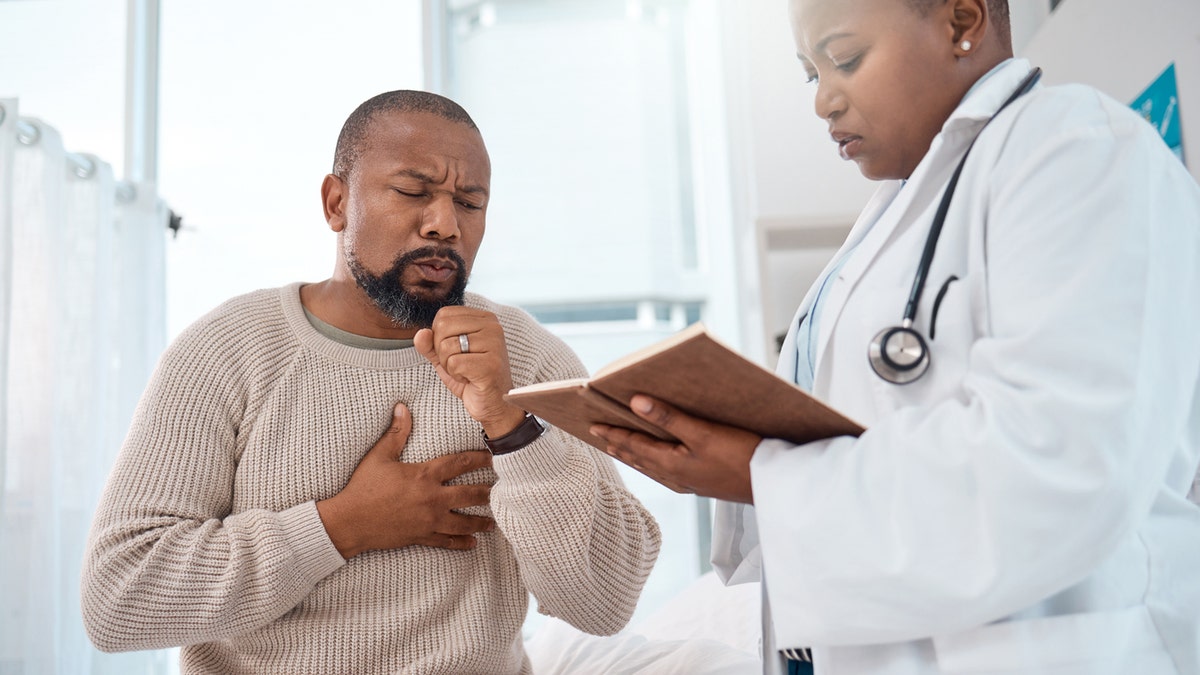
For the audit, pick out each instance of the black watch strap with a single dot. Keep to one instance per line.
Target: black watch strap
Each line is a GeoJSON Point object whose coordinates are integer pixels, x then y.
{"type": "Point", "coordinates": [528, 431]}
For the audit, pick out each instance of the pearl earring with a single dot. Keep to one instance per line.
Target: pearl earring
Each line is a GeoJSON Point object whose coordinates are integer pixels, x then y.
{"type": "Point", "coordinates": [966, 45]}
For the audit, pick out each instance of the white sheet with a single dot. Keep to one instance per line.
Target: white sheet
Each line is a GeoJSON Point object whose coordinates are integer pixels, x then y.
{"type": "Point", "coordinates": [708, 628]}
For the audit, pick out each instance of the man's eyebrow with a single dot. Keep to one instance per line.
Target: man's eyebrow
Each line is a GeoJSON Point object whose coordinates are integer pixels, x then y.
{"type": "Point", "coordinates": [426, 178]}
{"type": "Point", "coordinates": [413, 173]}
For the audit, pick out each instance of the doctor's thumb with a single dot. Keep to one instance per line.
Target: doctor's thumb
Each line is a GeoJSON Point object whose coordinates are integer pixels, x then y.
{"type": "Point", "coordinates": [661, 415]}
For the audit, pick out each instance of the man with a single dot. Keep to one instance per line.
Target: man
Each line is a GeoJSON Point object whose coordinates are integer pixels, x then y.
{"type": "Point", "coordinates": [307, 485]}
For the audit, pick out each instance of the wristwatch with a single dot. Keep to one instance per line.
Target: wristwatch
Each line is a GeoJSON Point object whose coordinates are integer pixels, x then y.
{"type": "Point", "coordinates": [528, 431]}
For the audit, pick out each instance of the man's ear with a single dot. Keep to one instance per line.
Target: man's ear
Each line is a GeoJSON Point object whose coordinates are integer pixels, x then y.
{"type": "Point", "coordinates": [968, 24]}
{"type": "Point", "coordinates": [333, 200]}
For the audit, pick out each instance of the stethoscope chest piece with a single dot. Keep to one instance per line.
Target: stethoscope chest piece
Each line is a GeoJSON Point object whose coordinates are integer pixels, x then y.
{"type": "Point", "coordinates": [899, 354]}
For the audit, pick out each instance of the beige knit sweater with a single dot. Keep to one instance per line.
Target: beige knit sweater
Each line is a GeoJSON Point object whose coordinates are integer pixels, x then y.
{"type": "Point", "coordinates": [207, 534]}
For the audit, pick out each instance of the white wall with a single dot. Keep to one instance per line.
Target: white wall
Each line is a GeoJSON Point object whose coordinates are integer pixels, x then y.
{"type": "Point", "coordinates": [252, 97]}
{"type": "Point", "coordinates": [65, 62]}
{"type": "Point", "coordinates": [799, 197]}
{"type": "Point", "coordinates": [1121, 46]}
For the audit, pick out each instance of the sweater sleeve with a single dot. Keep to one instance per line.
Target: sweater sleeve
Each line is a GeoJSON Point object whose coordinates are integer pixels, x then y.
{"type": "Point", "coordinates": [167, 563]}
{"type": "Point", "coordinates": [585, 545]}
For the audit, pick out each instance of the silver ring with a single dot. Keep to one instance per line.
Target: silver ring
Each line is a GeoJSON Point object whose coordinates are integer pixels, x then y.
{"type": "Point", "coordinates": [463, 343]}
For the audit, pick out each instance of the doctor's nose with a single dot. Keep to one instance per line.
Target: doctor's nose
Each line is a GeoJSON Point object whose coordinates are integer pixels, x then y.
{"type": "Point", "coordinates": [828, 103]}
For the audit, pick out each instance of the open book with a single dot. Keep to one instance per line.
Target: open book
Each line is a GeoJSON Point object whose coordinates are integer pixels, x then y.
{"type": "Point", "coordinates": [696, 373]}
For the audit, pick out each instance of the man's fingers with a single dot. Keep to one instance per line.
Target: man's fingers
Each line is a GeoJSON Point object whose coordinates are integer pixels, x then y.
{"type": "Point", "coordinates": [423, 341]}
{"type": "Point", "coordinates": [452, 344]}
{"type": "Point", "coordinates": [461, 524]}
{"type": "Point", "coordinates": [449, 467]}
{"type": "Point", "coordinates": [462, 496]}
{"type": "Point", "coordinates": [391, 443]}
{"type": "Point", "coordinates": [457, 542]}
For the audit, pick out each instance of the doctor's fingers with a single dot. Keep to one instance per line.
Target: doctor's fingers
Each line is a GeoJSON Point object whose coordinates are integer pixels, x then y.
{"type": "Point", "coordinates": [701, 436]}
{"type": "Point", "coordinates": [670, 477]}
{"type": "Point", "coordinates": [660, 460]}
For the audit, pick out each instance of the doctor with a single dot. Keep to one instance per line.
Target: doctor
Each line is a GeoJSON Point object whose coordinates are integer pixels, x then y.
{"type": "Point", "coordinates": [1027, 371]}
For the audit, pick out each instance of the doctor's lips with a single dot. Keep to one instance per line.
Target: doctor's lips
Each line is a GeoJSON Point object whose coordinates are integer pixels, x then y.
{"type": "Point", "coordinates": [848, 144]}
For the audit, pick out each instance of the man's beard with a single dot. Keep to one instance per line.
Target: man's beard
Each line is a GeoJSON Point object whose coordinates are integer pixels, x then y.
{"type": "Point", "coordinates": [388, 293]}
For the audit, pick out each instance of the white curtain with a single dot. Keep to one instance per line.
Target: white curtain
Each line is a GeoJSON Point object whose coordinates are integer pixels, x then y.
{"type": "Point", "coordinates": [81, 325]}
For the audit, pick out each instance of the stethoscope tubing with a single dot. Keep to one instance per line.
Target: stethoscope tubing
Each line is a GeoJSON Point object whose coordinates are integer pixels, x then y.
{"type": "Point", "coordinates": [939, 217]}
{"type": "Point", "coordinates": [916, 352]}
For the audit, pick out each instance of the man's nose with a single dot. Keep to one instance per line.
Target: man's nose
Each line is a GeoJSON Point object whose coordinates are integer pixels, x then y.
{"type": "Point", "coordinates": [440, 218]}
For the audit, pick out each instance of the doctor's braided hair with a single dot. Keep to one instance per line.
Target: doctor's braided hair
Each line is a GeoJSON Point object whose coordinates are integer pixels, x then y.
{"type": "Point", "coordinates": [354, 132]}
{"type": "Point", "coordinates": [997, 16]}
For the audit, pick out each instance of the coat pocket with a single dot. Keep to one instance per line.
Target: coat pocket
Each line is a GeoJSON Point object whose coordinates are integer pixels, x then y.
{"type": "Point", "coordinates": [1093, 643]}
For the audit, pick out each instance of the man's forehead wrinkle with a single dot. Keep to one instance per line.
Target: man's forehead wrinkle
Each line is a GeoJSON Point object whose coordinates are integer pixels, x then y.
{"type": "Point", "coordinates": [414, 173]}
{"type": "Point", "coordinates": [469, 188]}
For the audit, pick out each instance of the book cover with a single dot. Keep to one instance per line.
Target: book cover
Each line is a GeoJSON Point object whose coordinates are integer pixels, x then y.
{"type": "Point", "coordinates": [696, 373]}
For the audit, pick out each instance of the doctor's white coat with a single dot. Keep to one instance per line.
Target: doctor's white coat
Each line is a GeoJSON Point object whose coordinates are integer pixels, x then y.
{"type": "Point", "coordinates": [1021, 508]}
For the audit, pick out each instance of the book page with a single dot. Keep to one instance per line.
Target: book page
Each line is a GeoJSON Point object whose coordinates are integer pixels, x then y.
{"type": "Point", "coordinates": [645, 352]}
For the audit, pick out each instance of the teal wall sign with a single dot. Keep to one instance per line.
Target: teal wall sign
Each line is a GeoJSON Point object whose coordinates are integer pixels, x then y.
{"type": "Point", "coordinates": [1159, 104]}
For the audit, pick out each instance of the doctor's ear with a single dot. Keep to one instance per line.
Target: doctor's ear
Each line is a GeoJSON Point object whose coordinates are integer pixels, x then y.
{"type": "Point", "coordinates": [333, 200]}
{"type": "Point", "coordinates": [968, 24]}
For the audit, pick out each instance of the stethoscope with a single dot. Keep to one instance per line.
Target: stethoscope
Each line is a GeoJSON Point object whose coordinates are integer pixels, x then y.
{"type": "Point", "coordinates": [899, 354]}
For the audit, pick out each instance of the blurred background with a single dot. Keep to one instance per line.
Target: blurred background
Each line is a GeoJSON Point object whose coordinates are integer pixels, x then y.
{"type": "Point", "coordinates": [655, 163]}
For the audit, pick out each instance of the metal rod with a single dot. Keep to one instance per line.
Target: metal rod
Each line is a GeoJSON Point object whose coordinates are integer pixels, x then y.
{"type": "Point", "coordinates": [141, 91]}
{"type": "Point", "coordinates": [433, 17]}
{"type": "Point", "coordinates": [82, 165]}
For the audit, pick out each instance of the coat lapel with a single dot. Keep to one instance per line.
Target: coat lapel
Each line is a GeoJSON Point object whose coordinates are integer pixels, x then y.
{"type": "Point", "coordinates": [786, 365]}
{"type": "Point", "coordinates": [890, 213]}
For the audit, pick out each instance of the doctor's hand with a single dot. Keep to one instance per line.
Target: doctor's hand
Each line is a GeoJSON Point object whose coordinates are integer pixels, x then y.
{"type": "Point", "coordinates": [711, 460]}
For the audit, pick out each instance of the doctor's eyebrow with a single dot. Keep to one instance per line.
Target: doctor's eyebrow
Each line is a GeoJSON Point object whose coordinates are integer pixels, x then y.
{"type": "Point", "coordinates": [823, 45]}
{"type": "Point", "coordinates": [830, 38]}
